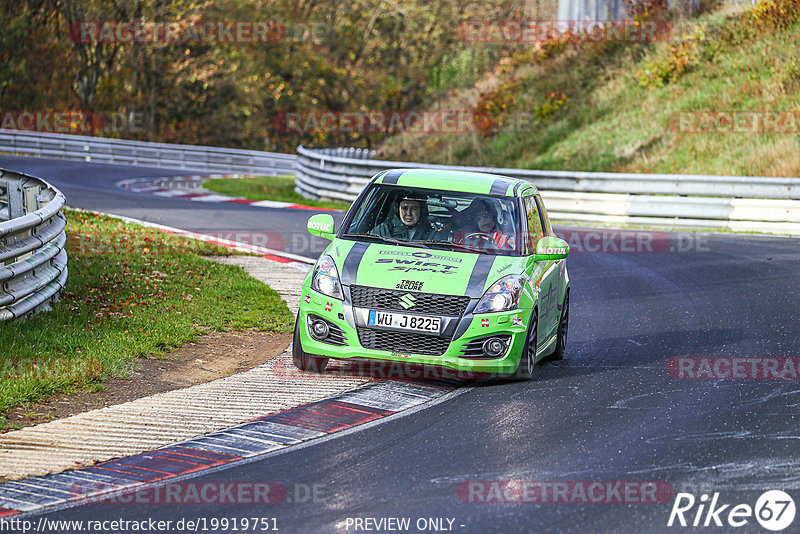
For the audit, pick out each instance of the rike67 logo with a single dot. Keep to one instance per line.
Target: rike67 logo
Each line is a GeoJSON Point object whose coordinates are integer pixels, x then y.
{"type": "Point", "coordinates": [774, 510]}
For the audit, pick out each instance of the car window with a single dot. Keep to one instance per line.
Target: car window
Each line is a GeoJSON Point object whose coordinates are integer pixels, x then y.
{"type": "Point", "coordinates": [534, 221]}
{"type": "Point", "coordinates": [445, 218]}
{"type": "Point", "coordinates": [548, 230]}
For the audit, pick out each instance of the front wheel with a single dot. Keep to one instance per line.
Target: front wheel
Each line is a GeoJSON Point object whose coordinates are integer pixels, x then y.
{"type": "Point", "coordinates": [303, 360]}
{"type": "Point", "coordinates": [527, 360]}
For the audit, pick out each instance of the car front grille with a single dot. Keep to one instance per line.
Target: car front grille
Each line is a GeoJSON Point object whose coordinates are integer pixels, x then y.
{"type": "Point", "coordinates": [402, 342]}
{"type": "Point", "coordinates": [389, 299]}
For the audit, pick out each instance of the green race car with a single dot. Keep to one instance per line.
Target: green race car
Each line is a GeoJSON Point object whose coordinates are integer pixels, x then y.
{"type": "Point", "coordinates": [457, 270]}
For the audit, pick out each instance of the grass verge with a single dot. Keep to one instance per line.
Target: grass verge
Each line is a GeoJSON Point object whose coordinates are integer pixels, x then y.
{"type": "Point", "coordinates": [132, 293]}
{"type": "Point", "coordinates": [279, 188]}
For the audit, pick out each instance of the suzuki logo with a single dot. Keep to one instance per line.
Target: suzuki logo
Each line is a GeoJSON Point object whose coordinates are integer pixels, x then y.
{"type": "Point", "coordinates": [407, 301]}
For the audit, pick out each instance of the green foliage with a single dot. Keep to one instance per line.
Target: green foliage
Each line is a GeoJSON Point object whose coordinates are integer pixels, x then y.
{"type": "Point", "coordinates": [645, 9]}
{"type": "Point", "coordinates": [491, 112]}
{"type": "Point", "coordinates": [366, 55]}
{"type": "Point", "coordinates": [673, 64]}
{"type": "Point", "coordinates": [775, 14]}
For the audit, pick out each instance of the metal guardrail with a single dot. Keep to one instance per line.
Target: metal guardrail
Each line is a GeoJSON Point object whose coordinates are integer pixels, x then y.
{"type": "Point", "coordinates": [739, 203]}
{"type": "Point", "coordinates": [124, 152]}
{"type": "Point", "coordinates": [33, 262]}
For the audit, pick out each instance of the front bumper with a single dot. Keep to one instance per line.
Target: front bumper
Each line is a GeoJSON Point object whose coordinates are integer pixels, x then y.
{"type": "Point", "coordinates": [459, 330]}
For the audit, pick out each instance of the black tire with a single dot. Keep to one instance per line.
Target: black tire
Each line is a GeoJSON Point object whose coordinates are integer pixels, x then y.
{"type": "Point", "coordinates": [527, 361]}
{"type": "Point", "coordinates": [303, 360]}
{"type": "Point", "coordinates": [561, 334]}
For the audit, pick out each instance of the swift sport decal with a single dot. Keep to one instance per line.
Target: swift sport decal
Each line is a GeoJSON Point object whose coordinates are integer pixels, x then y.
{"type": "Point", "coordinates": [407, 266]}
{"type": "Point", "coordinates": [421, 255]}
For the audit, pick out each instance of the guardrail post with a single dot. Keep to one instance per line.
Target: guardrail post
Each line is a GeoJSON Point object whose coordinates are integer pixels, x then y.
{"type": "Point", "coordinates": [4, 215]}
{"type": "Point", "coordinates": [16, 206]}
{"type": "Point", "coordinates": [30, 198]}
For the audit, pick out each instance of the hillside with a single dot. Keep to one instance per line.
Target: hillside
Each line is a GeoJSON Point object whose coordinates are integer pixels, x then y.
{"type": "Point", "coordinates": [658, 107]}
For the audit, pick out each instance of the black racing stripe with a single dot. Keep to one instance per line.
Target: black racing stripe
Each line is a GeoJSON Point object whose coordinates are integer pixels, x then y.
{"type": "Point", "coordinates": [463, 325]}
{"type": "Point", "coordinates": [351, 262]}
{"type": "Point", "coordinates": [391, 177]}
{"type": "Point", "coordinates": [479, 274]}
{"type": "Point", "coordinates": [499, 187]}
{"type": "Point", "coordinates": [379, 175]}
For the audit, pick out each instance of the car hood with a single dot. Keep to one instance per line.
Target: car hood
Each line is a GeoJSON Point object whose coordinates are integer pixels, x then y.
{"type": "Point", "coordinates": [418, 269]}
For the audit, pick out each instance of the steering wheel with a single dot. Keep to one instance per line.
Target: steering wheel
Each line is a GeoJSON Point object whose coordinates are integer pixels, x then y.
{"type": "Point", "coordinates": [478, 235]}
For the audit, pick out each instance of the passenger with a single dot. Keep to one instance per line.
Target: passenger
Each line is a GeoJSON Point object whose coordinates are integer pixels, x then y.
{"type": "Point", "coordinates": [408, 221]}
{"type": "Point", "coordinates": [482, 229]}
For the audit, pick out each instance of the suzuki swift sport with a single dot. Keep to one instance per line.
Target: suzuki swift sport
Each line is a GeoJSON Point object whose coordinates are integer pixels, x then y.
{"type": "Point", "coordinates": [438, 268]}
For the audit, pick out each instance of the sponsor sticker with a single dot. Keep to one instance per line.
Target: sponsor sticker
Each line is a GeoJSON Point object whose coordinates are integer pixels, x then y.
{"type": "Point", "coordinates": [413, 285]}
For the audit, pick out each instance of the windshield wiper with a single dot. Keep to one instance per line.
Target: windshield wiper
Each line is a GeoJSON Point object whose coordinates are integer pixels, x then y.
{"type": "Point", "coordinates": [460, 245]}
{"type": "Point", "coordinates": [472, 248]}
{"type": "Point", "coordinates": [388, 240]}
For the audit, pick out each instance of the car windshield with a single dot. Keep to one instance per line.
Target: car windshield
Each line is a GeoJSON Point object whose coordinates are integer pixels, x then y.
{"type": "Point", "coordinates": [436, 219]}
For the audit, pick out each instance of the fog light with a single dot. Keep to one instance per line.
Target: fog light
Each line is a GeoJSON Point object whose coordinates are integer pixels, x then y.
{"type": "Point", "coordinates": [319, 329]}
{"type": "Point", "coordinates": [493, 347]}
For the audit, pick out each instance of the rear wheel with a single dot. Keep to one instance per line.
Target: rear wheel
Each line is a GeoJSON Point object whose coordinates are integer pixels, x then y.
{"type": "Point", "coordinates": [303, 360]}
{"type": "Point", "coordinates": [561, 335]}
{"type": "Point", "coordinates": [527, 360]}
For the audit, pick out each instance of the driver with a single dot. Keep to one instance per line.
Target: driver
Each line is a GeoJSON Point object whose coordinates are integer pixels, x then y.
{"type": "Point", "coordinates": [408, 222]}
{"type": "Point", "coordinates": [485, 232]}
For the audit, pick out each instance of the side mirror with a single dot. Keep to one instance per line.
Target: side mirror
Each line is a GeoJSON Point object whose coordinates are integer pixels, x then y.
{"type": "Point", "coordinates": [551, 248]}
{"type": "Point", "coordinates": [321, 225]}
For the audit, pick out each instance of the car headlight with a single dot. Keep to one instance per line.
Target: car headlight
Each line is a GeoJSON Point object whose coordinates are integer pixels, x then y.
{"type": "Point", "coordinates": [502, 295]}
{"type": "Point", "coordinates": [326, 278]}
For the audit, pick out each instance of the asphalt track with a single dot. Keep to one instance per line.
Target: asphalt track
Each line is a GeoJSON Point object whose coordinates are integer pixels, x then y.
{"type": "Point", "coordinates": [609, 412]}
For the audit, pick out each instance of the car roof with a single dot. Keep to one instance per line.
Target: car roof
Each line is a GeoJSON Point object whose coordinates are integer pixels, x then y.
{"type": "Point", "coordinates": [451, 180]}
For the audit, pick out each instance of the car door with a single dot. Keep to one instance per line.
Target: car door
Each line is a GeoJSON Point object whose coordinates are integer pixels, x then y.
{"type": "Point", "coordinates": [555, 275]}
{"type": "Point", "coordinates": [547, 285]}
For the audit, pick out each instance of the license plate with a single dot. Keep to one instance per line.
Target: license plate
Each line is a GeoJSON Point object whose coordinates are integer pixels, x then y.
{"type": "Point", "coordinates": [403, 321]}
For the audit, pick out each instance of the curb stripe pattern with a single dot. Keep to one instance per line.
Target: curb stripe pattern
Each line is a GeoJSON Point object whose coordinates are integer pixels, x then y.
{"type": "Point", "coordinates": [361, 405]}
{"type": "Point", "coordinates": [180, 187]}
